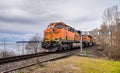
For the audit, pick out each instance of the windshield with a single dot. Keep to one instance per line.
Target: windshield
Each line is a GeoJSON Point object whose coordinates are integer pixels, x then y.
{"type": "Point", "coordinates": [59, 26]}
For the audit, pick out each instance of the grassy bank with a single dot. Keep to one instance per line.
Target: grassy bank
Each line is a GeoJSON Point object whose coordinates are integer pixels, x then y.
{"type": "Point", "coordinates": [76, 64]}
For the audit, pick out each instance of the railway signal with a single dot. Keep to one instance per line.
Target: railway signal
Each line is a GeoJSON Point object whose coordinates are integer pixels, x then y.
{"type": "Point", "coordinates": [81, 44]}
{"type": "Point", "coordinates": [100, 33]}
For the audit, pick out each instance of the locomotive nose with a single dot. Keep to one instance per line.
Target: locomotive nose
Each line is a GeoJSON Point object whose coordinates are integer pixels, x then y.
{"type": "Point", "coordinates": [50, 34]}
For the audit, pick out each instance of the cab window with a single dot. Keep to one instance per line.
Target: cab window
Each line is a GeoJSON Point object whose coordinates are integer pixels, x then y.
{"type": "Point", "coordinates": [59, 26]}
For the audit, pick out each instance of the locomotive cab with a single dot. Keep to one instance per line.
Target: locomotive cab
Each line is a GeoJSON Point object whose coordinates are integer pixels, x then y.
{"type": "Point", "coordinates": [53, 35]}
{"type": "Point", "coordinates": [53, 32]}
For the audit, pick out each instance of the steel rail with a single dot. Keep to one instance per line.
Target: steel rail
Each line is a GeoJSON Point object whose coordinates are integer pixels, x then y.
{"type": "Point", "coordinates": [7, 71]}
{"type": "Point", "coordinates": [27, 56]}
{"type": "Point", "coordinates": [21, 57]}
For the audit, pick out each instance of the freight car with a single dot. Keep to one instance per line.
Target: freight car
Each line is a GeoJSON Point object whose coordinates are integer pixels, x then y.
{"type": "Point", "coordinates": [59, 36]}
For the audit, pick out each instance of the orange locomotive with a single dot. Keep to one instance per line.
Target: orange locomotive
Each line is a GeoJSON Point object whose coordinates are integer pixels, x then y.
{"type": "Point", "coordinates": [59, 36]}
{"type": "Point", "coordinates": [88, 40]}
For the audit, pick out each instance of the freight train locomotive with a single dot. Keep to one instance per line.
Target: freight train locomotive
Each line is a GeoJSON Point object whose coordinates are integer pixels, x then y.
{"type": "Point", "coordinates": [59, 36]}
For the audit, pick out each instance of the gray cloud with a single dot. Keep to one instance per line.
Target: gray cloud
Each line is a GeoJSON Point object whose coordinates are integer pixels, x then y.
{"type": "Point", "coordinates": [33, 16]}
{"type": "Point", "coordinates": [17, 20]}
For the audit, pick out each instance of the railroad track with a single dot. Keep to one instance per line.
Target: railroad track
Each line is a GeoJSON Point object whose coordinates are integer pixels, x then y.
{"type": "Point", "coordinates": [52, 59]}
{"type": "Point", "coordinates": [21, 57]}
{"type": "Point", "coordinates": [38, 56]}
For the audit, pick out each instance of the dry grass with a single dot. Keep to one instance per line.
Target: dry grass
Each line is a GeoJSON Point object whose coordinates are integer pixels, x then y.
{"type": "Point", "coordinates": [79, 65]}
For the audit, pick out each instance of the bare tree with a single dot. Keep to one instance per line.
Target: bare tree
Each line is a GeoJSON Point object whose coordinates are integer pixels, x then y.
{"type": "Point", "coordinates": [34, 45]}
{"type": "Point", "coordinates": [110, 43]}
{"type": "Point", "coordinates": [4, 54]}
{"type": "Point", "coordinates": [111, 17]}
{"type": "Point", "coordinates": [116, 48]}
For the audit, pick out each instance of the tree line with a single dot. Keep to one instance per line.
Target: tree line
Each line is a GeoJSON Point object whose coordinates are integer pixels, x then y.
{"type": "Point", "coordinates": [111, 41]}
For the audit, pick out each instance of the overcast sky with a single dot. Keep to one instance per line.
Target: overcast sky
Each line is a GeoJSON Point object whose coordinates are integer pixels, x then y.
{"type": "Point", "coordinates": [21, 19]}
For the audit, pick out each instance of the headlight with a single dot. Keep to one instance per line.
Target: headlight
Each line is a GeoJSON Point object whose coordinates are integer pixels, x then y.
{"type": "Point", "coordinates": [58, 39]}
